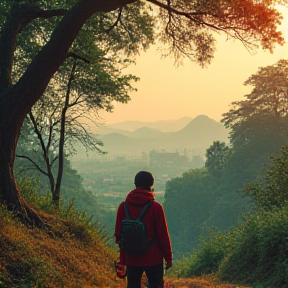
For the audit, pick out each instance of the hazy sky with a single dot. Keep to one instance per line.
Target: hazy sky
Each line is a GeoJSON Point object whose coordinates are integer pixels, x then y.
{"type": "Point", "coordinates": [169, 92]}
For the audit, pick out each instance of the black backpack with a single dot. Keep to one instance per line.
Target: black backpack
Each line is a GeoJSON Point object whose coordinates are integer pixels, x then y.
{"type": "Point", "coordinates": [134, 237]}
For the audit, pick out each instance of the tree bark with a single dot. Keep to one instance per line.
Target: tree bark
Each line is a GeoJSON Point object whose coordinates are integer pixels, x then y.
{"type": "Point", "coordinates": [10, 125]}
{"type": "Point", "coordinates": [17, 101]}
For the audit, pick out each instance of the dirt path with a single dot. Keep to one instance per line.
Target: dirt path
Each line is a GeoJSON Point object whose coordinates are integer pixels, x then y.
{"type": "Point", "coordinates": [211, 282]}
{"type": "Point", "coordinates": [198, 283]}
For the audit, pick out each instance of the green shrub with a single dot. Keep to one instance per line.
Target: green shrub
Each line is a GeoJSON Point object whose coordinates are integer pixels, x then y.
{"type": "Point", "coordinates": [29, 188]}
{"type": "Point", "coordinates": [180, 268]}
{"type": "Point", "coordinates": [270, 190]}
{"type": "Point", "coordinates": [77, 222]}
{"type": "Point", "coordinates": [206, 258]}
{"type": "Point", "coordinates": [210, 252]}
{"type": "Point", "coordinates": [260, 251]}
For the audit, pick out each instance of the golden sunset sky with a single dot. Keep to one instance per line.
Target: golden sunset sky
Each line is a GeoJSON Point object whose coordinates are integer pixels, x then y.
{"type": "Point", "coordinates": [167, 92]}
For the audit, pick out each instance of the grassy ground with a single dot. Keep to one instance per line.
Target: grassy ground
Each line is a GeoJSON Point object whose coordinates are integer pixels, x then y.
{"type": "Point", "coordinates": [75, 256]}
{"type": "Point", "coordinates": [203, 282]}
{"type": "Point", "coordinates": [31, 257]}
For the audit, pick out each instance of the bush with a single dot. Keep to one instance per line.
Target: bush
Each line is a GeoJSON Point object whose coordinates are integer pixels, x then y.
{"type": "Point", "coordinates": [260, 251]}
{"type": "Point", "coordinates": [206, 258]}
{"type": "Point", "coordinates": [210, 252]}
{"type": "Point", "coordinates": [271, 188]}
{"type": "Point", "coordinates": [180, 268]}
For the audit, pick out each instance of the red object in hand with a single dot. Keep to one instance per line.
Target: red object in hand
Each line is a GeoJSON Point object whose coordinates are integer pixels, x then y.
{"type": "Point", "coordinates": [168, 265]}
{"type": "Point", "coordinates": [120, 270]}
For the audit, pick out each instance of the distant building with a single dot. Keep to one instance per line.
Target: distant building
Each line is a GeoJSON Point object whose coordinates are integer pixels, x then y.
{"type": "Point", "coordinates": [163, 159]}
{"type": "Point", "coordinates": [190, 153]}
{"type": "Point", "coordinates": [145, 157]}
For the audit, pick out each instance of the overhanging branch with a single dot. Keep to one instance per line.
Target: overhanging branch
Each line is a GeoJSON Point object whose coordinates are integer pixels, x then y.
{"type": "Point", "coordinates": [20, 16]}
{"type": "Point", "coordinates": [35, 164]}
{"type": "Point", "coordinates": [192, 16]}
{"type": "Point", "coordinates": [78, 57]}
{"type": "Point", "coordinates": [28, 14]}
{"type": "Point", "coordinates": [117, 20]}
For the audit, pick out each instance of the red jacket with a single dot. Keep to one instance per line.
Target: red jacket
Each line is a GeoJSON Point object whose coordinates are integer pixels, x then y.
{"type": "Point", "coordinates": [155, 221]}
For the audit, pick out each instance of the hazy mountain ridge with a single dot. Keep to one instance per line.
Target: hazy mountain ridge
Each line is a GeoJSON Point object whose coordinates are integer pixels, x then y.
{"type": "Point", "coordinates": [131, 126]}
{"type": "Point", "coordinates": [146, 132]}
{"type": "Point", "coordinates": [199, 133]}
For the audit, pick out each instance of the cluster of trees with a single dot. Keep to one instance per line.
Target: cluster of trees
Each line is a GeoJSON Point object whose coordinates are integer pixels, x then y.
{"type": "Point", "coordinates": [255, 251]}
{"type": "Point", "coordinates": [39, 36]}
{"type": "Point", "coordinates": [209, 197]}
{"type": "Point", "coordinates": [89, 79]}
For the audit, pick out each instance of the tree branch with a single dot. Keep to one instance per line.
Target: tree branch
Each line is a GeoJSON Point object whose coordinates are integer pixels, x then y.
{"type": "Point", "coordinates": [49, 136]}
{"type": "Point", "coordinates": [191, 16]}
{"type": "Point", "coordinates": [117, 20]}
{"type": "Point", "coordinates": [62, 130]}
{"type": "Point", "coordinates": [20, 16]}
{"type": "Point", "coordinates": [32, 84]}
{"type": "Point", "coordinates": [39, 135]}
{"type": "Point", "coordinates": [78, 57]}
{"type": "Point", "coordinates": [28, 14]}
{"type": "Point", "coordinates": [45, 152]}
{"type": "Point", "coordinates": [188, 15]}
{"type": "Point", "coordinates": [53, 161]}
{"type": "Point", "coordinates": [35, 164]}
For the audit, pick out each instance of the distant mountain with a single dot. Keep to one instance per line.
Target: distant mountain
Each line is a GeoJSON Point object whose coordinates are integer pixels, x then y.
{"type": "Point", "coordinates": [202, 131]}
{"type": "Point", "coordinates": [164, 125]}
{"type": "Point", "coordinates": [197, 134]}
{"type": "Point", "coordinates": [105, 130]}
{"type": "Point", "coordinates": [146, 132]}
{"type": "Point", "coordinates": [142, 132]}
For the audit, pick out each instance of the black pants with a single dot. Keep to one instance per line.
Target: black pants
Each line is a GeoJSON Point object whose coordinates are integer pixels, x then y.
{"type": "Point", "coordinates": [154, 275]}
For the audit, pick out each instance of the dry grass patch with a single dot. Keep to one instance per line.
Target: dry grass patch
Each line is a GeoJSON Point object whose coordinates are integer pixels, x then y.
{"type": "Point", "coordinates": [35, 258]}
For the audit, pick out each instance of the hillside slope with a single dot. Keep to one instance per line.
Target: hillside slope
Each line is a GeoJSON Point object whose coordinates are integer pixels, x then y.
{"type": "Point", "coordinates": [76, 258]}
{"type": "Point", "coordinates": [35, 258]}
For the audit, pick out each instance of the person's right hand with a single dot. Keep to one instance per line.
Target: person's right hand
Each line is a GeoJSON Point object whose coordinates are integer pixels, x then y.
{"type": "Point", "coordinates": [168, 265]}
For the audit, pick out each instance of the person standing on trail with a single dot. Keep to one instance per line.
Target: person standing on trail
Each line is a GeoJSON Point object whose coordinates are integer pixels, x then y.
{"type": "Point", "coordinates": [151, 261]}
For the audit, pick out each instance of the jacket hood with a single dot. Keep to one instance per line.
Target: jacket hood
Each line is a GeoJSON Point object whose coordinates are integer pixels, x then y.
{"type": "Point", "coordinates": [140, 196]}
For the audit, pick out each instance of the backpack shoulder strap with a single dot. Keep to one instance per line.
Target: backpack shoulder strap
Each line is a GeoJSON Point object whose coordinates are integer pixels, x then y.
{"type": "Point", "coordinates": [126, 211]}
{"type": "Point", "coordinates": [144, 209]}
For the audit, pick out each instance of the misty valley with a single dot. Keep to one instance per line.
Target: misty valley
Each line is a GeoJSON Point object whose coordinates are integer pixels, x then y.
{"type": "Point", "coordinates": [168, 155]}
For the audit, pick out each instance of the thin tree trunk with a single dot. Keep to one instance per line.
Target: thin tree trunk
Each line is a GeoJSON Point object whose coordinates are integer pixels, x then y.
{"type": "Point", "coordinates": [56, 194]}
{"type": "Point", "coordinates": [45, 151]}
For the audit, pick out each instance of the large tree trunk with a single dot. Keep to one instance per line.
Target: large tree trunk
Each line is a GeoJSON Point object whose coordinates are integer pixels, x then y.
{"type": "Point", "coordinates": [10, 125]}
{"type": "Point", "coordinates": [17, 101]}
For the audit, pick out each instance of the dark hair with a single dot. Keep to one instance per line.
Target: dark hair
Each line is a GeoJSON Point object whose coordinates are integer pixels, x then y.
{"type": "Point", "coordinates": [144, 179]}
